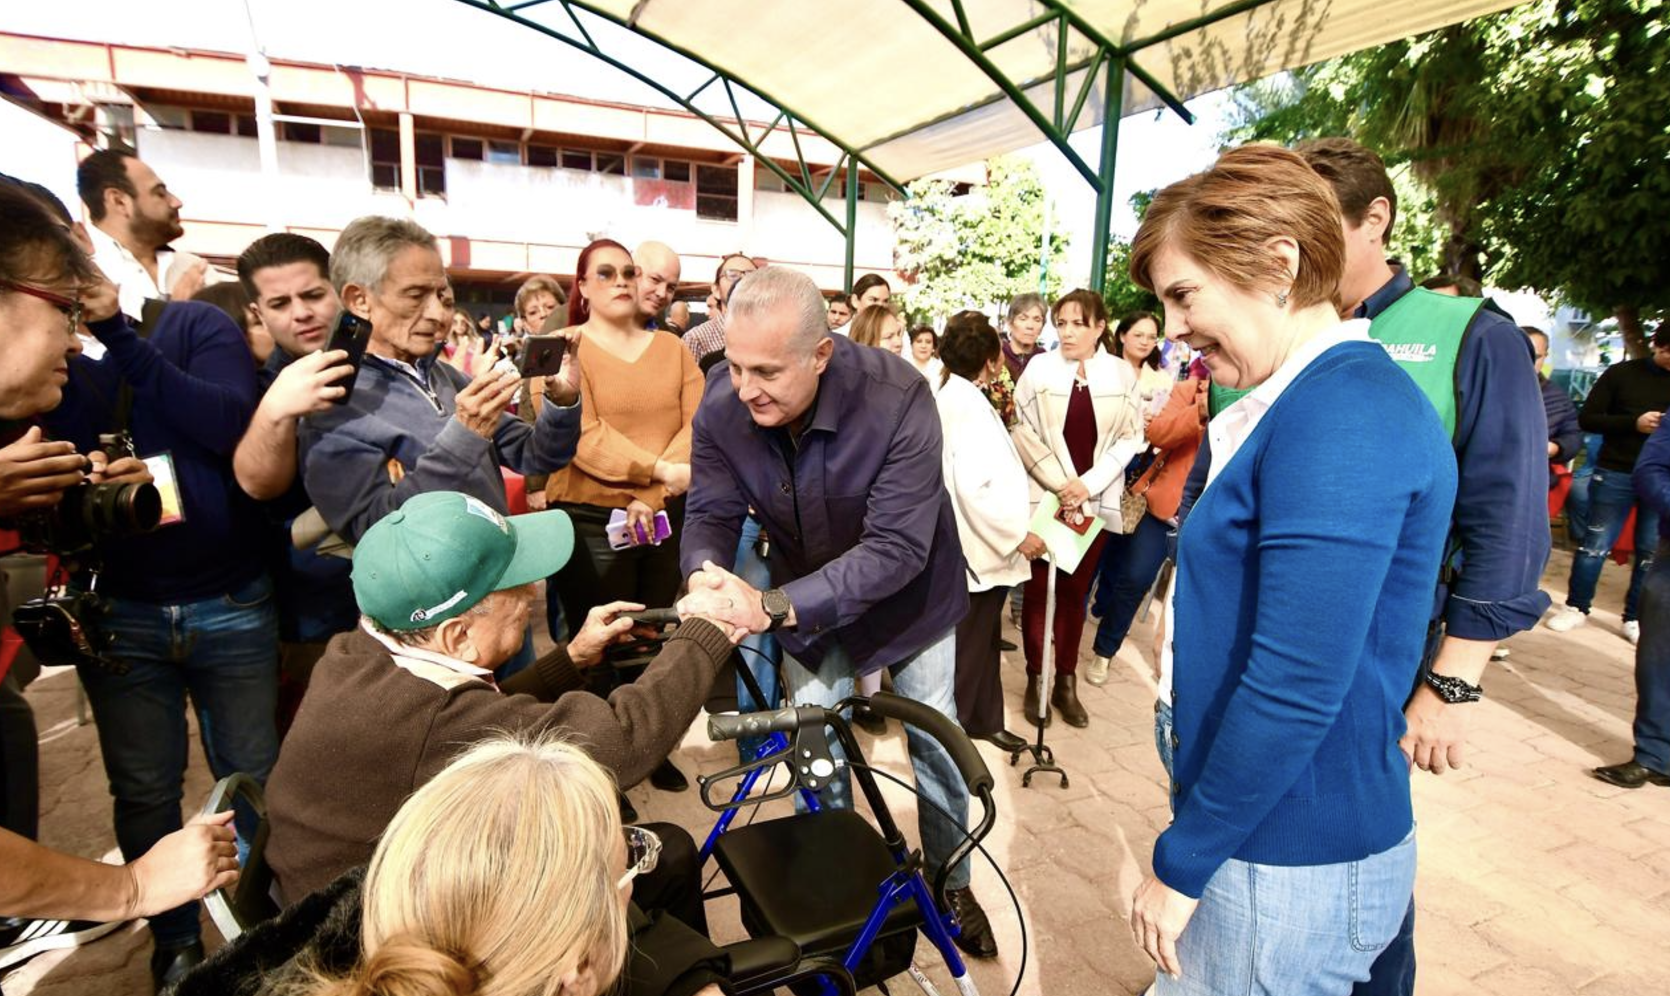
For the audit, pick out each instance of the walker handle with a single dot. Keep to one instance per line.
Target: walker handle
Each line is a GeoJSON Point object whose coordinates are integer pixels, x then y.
{"type": "Point", "coordinates": [951, 736]}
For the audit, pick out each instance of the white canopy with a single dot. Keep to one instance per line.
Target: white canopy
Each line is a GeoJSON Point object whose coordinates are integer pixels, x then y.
{"type": "Point", "coordinates": [902, 82]}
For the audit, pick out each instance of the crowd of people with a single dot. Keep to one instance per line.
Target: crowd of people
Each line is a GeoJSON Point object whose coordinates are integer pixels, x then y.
{"type": "Point", "coordinates": [363, 491]}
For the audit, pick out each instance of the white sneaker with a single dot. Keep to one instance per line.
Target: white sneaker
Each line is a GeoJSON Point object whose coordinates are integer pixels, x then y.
{"type": "Point", "coordinates": [1567, 619]}
{"type": "Point", "coordinates": [1501, 653]}
{"type": "Point", "coordinates": [1097, 672]}
{"type": "Point", "coordinates": [1632, 632]}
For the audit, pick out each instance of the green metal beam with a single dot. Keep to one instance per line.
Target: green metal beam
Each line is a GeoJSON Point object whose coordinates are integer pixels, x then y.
{"type": "Point", "coordinates": [1112, 111]}
{"type": "Point", "coordinates": [852, 218]}
{"type": "Point", "coordinates": [739, 134]}
{"type": "Point", "coordinates": [1015, 92]}
{"type": "Point", "coordinates": [1096, 35]}
{"type": "Point", "coordinates": [677, 49]}
{"type": "Point", "coordinates": [1206, 20]}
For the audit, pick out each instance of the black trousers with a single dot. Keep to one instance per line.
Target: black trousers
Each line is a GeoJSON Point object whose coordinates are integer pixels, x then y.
{"type": "Point", "coordinates": [979, 665]}
{"type": "Point", "coordinates": [596, 574]}
{"type": "Point", "coordinates": [19, 762]}
{"type": "Point", "coordinates": [670, 951]}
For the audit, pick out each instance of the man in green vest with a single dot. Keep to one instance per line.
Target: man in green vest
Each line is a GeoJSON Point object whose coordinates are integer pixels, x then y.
{"type": "Point", "coordinates": [1476, 368]}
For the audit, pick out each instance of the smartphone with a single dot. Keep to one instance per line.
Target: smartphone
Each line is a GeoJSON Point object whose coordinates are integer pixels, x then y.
{"type": "Point", "coordinates": [620, 533]}
{"type": "Point", "coordinates": [542, 355]}
{"type": "Point", "coordinates": [352, 335]}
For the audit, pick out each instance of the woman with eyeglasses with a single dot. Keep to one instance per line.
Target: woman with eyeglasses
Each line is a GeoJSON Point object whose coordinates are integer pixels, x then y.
{"type": "Point", "coordinates": [638, 393]}
{"type": "Point", "coordinates": [507, 874]}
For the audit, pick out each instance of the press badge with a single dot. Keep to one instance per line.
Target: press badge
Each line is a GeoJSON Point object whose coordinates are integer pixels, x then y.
{"type": "Point", "coordinates": [161, 467]}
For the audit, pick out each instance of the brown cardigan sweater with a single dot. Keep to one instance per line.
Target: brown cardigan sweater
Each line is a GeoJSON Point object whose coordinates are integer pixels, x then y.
{"type": "Point", "coordinates": [370, 732]}
{"type": "Point", "coordinates": [631, 415]}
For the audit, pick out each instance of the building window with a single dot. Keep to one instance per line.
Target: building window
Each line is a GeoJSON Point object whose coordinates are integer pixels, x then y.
{"type": "Point", "coordinates": [211, 122]}
{"type": "Point", "coordinates": [466, 148]}
{"type": "Point", "coordinates": [385, 159]}
{"type": "Point", "coordinates": [297, 132]}
{"type": "Point", "coordinates": [576, 159]}
{"type": "Point", "coordinates": [716, 192]}
{"type": "Point", "coordinates": [646, 168]}
{"type": "Point", "coordinates": [170, 117]}
{"type": "Point", "coordinates": [504, 153]}
{"type": "Point", "coordinates": [676, 172]}
{"type": "Point", "coordinates": [608, 162]}
{"type": "Point", "coordinates": [542, 155]}
{"type": "Point", "coordinates": [765, 179]}
{"type": "Point", "coordinates": [431, 164]}
{"type": "Point", "coordinates": [246, 126]}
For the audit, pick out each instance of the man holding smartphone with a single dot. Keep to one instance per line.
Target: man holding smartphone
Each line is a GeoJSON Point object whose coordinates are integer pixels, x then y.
{"type": "Point", "coordinates": [413, 424]}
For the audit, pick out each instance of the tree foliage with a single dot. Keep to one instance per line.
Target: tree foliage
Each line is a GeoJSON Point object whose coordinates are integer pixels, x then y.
{"type": "Point", "coordinates": [1539, 135]}
{"type": "Point", "coordinates": [975, 250]}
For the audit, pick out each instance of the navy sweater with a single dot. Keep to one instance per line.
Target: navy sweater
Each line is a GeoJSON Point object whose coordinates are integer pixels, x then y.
{"type": "Point", "coordinates": [193, 394]}
{"type": "Point", "coordinates": [1304, 587]}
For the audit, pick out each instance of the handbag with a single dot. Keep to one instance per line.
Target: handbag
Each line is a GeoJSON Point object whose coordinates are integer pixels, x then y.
{"type": "Point", "coordinates": [1133, 501]}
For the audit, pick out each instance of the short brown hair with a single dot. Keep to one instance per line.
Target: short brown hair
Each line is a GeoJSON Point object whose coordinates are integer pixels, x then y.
{"type": "Point", "coordinates": [1357, 174]}
{"type": "Point", "coordinates": [533, 285]}
{"type": "Point", "coordinates": [1089, 303]}
{"type": "Point", "coordinates": [1225, 217]}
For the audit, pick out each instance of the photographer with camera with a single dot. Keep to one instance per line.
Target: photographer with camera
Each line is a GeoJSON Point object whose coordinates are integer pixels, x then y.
{"type": "Point", "coordinates": [43, 271]}
{"type": "Point", "coordinates": [186, 609]}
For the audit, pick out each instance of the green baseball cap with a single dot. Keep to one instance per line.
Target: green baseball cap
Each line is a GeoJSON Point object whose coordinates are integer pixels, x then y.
{"type": "Point", "coordinates": [442, 552]}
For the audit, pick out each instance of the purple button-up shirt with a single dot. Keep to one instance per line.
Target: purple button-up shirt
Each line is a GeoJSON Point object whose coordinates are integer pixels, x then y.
{"type": "Point", "coordinates": [863, 540]}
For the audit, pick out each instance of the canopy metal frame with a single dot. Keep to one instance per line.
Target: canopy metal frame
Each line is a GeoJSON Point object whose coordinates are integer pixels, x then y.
{"type": "Point", "coordinates": [1112, 62]}
{"type": "Point", "coordinates": [749, 136]}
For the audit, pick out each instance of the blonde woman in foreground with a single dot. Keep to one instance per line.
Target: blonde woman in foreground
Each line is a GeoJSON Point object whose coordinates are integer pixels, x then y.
{"type": "Point", "coordinates": [508, 874]}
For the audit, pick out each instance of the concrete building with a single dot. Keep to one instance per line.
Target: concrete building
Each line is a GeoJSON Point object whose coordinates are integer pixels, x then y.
{"type": "Point", "coordinates": [514, 183]}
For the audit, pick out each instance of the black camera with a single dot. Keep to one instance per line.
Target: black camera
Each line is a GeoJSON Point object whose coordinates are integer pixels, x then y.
{"type": "Point", "coordinates": [91, 513]}
{"type": "Point", "coordinates": [62, 629]}
{"type": "Point", "coordinates": [88, 514]}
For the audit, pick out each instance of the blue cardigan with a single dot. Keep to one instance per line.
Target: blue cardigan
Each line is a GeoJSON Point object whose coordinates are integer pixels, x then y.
{"type": "Point", "coordinates": [1304, 587]}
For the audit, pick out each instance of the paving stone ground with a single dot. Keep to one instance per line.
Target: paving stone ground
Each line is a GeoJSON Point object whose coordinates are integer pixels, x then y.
{"type": "Point", "coordinates": [1535, 879]}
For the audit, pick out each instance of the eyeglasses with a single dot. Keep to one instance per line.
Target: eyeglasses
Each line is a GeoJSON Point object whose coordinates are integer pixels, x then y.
{"type": "Point", "coordinates": [734, 275]}
{"type": "Point", "coordinates": [643, 850]}
{"type": "Point", "coordinates": [70, 306]}
{"type": "Point", "coordinates": [606, 273]}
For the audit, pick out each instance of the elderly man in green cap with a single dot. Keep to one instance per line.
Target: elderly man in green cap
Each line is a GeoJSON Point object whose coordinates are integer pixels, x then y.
{"type": "Point", "coordinates": [444, 584]}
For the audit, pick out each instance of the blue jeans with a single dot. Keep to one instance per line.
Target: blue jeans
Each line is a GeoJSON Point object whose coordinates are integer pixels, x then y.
{"type": "Point", "coordinates": [760, 653]}
{"type": "Point", "coordinates": [1128, 568]}
{"type": "Point", "coordinates": [1302, 931]}
{"type": "Point", "coordinates": [223, 652]}
{"type": "Point", "coordinates": [1611, 496]}
{"type": "Point", "coordinates": [1652, 672]}
{"type": "Point", "coordinates": [929, 678]}
{"type": "Point", "coordinates": [1577, 499]}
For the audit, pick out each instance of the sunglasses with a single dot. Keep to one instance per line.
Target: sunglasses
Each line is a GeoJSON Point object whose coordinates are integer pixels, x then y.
{"type": "Point", "coordinates": [71, 307]}
{"type": "Point", "coordinates": [606, 273]}
{"type": "Point", "coordinates": [643, 850]}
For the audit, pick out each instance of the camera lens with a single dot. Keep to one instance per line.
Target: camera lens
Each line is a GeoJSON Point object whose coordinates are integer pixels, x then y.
{"type": "Point", "coordinates": [110, 510]}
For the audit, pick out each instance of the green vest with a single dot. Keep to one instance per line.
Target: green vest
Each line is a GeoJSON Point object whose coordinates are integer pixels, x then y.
{"type": "Point", "coordinates": [1423, 332]}
{"type": "Point", "coordinates": [1218, 398]}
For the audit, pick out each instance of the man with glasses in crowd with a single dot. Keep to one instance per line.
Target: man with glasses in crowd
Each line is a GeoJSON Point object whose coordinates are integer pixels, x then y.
{"type": "Point", "coordinates": [709, 337]}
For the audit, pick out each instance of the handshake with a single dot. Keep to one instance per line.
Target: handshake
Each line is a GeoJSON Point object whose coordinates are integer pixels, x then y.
{"type": "Point", "coordinates": [725, 600]}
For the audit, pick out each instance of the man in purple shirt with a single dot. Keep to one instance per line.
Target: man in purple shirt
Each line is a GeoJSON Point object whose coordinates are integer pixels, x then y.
{"type": "Point", "coordinates": [836, 447]}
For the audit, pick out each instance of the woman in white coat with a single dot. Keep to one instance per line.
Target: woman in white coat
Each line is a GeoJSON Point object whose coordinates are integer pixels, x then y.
{"type": "Point", "coordinates": [1078, 423]}
{"type": "Point", "coordinates": [993, 505]}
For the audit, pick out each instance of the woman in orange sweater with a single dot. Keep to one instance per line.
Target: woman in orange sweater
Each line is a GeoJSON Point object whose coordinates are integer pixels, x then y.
{"type": "Point", "coordinates": [1130, 563]}
{"type": "Point", "coordinates": [638, 392]}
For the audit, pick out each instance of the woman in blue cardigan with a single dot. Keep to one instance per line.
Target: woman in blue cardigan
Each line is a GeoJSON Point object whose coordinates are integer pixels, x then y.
{"type": "Point", "coordinates": [1304, 582]}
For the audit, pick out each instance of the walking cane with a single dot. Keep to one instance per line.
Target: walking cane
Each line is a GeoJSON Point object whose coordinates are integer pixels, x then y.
{"type": "Point", "coordinates": [1043, 758]}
